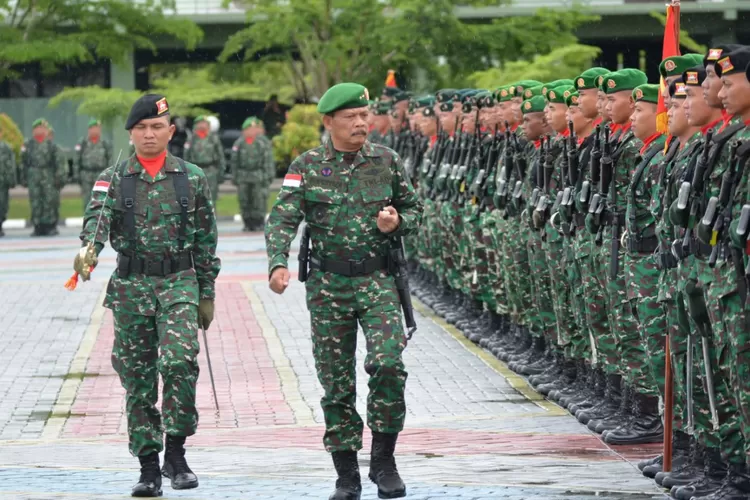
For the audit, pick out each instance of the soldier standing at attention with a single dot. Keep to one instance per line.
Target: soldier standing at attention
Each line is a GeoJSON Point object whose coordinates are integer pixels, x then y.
{"type": "Point", "coordinates": [93, 156]}
{"type": "Point", "coordinates": [354, 196]}
{"type": "Point", "coordinates": [7, 178]}
{"type": "Point", "coordinates": [43, 170]}
{"type": "Point", "coordinates": [205, 151]}
{"type": "Point", "coordinates": [157, 212]}
{"type": "Point", "coordinates": [253, 170]}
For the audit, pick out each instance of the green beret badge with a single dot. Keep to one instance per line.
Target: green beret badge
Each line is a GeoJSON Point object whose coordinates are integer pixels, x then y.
{"type": "Point", "coordinates": [670, 65]}
{"type": "Point", "coordinates": [581, 83]}
{"type": "Point", "coordinates": [611, 84]}
{"type": "Point", "coordinates": [527, 105]}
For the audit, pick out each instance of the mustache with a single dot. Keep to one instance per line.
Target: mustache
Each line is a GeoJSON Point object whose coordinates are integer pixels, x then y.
{"type": "Point", "coordinates": [359, 132]}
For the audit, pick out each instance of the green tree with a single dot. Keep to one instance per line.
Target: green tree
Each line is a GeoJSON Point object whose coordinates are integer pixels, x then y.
{"type": "Point", "coordinates": [327, 41]}
{"type": "Point", "coordinates": [59, 32]}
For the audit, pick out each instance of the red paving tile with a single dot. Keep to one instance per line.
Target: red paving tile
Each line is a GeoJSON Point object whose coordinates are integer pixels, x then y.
{"type": "Point", "coordinates": [248, 387]}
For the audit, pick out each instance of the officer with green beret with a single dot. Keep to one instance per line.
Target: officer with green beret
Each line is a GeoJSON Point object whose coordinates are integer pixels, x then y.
{"type": "Point", "coordinates": [156, 211]}
{"type": "Point", "coordinates": [44, 171]}
{"type": "Point", "coordinates": [205, 150]}
{"type": "Point", "coordinates": [354, 197]}
{"type": "Point", "coordinates": [253, 170]}
{"type": "Point", "coordinates": [93, 154]}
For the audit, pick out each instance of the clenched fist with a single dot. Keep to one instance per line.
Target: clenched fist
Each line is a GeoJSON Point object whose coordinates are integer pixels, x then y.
{"type": "Point", "coordinates": [279, 280]}
{"type": "Point", "coordinates": [388, 220]}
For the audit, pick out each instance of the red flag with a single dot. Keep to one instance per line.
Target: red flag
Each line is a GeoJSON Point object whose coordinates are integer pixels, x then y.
{"type": "Point", "coordinates": [670, 47]}
{"type": "Point", "coordinates": [390, 80]}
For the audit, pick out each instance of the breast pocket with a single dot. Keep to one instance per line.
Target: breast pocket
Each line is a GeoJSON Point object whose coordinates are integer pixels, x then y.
{"type": "Point", "coordinates": [322, 208]}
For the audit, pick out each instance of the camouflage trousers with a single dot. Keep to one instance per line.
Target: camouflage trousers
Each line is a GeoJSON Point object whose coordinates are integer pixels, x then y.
{"type": "Point", "coordinates": [44, 199]}
{"type": "Point", "coordinates": [253, 198]}
{"type": "Point", "coordinates": [728, 318]}
{"type": "Point", "coordinates": [87, 179]}
{"type": "Point", "coordinates": [425, 248]}
{"type": "Point", "coordinates": [467, 246]}
{"type": "Point", "coordinates": [4, 202]}
{"type": "Point", "coordinates": [486, 257]}
{"type": "Point", "coordinates": [604, 342]}
{"type": "Point", "coordinates": [144, 347]}
{"type": "Point", "coordinates": [643, 292]}
{"type": "Point", "coordinates": [497, 228]}
{"type": "Point", "coordinates": [518, 273]}
{"type": "Point", "coordinates": [214, 178]}
{"type": "Point", "coordinates": [544, 321]}
{"type": "Point", "coordinates": [372, 302]}
{"type": "Point", "coordinates": [568, 295]}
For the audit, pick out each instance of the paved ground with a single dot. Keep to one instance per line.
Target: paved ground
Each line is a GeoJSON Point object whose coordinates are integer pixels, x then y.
{"type": "Point", "coordinates": [474, 430]}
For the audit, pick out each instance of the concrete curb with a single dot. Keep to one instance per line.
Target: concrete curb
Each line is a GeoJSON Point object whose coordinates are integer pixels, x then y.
{"type": "Point", "coordinates": [78, 222]}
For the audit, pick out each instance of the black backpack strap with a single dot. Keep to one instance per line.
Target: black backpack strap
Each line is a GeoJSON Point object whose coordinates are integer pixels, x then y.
{"type": "Point", "coordinates": [127, 191]}
{"type": "Point", "coordinates": [182, 191]}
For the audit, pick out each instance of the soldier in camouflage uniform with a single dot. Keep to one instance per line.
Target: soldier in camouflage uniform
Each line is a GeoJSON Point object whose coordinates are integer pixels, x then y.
{"type": "Point", "coordinates": [205, 150]}
{"type": "Point", "coordinates": [253, 170]}
{"type": "Point", "coordinates": [7, 178]}
{"type": "Point", "coordinates": [157, 213]}
{"type": "Point", "coordinates": [43, 171]}
{"type": "Point", "coordinates": [354, 197]}
{"type": "Point", "coordinates": [93, 155]}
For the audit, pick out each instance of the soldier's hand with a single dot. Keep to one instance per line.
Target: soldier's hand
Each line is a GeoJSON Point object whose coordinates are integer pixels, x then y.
{"type": "Point", "coordinates": [279, 280]}
{"type": "Point", "coordinates": [85, 261]}
{"type": "Point", "coordinates": [205, 312]}
{"type": "Point", "coordinates": [388, 219]}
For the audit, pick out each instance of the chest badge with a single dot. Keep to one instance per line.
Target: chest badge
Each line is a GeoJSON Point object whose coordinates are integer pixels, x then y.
{"type": "Point", "coordinates": [326, 172]}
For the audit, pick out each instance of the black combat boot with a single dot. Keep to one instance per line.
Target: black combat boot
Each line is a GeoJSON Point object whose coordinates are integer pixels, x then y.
{"type": "Point", "coordinates": [37, 231]}
{"type": "Point", "coordinates": [149, 484]}
{"type": "Point", "coordinates": [2, 233]}
{"type": "Point", "coordinates": [645, 426]}
{"type": "Point", "coordinates": [383, 470]}
{"type": "Point", "coordinates": [682, 445]}
{"type": "Point", "coordinates": [175, 465]}
{"type": "Point", "coordinates": [706, 483]}
{"type": "Point", "coordinates": [616, 418]}
{"type": "Point", "coordinates": [567, 377]}
{"type": "Point", "coordinates": [552, 373]}
{"type": "Point", "coordinates": [687, 463]}
{"type": "Point", "coordinates": [736, 485]}
{"type": "Point", "coordinates": [598, 387]}
{"type": "Point", "coordinates": [610, 403]}
{"type": "Point", "coordinates": [348, 484]}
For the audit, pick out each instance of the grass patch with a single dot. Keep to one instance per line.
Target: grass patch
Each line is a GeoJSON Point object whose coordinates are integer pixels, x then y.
{"type": "Point", "coordinates": [19, 208]}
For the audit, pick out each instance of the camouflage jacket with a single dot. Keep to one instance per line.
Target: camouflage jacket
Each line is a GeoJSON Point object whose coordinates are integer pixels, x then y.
{"type": "Point", "coordinates": [92, 157]}
{"type": "Point", "coordinates": [626, 154]}
{"type": "Point", "coordinates": [252, 162]}
{"type": "Point", "coordinates": [7, 166]}
{"type": "Point", "coordinates": [639, 220]}
{"type": "Point", "coordinates": [157, 222]}
{"type": "Point", "coordinates": [340, 203]}
{"type": "Point", "coordinates": [205, 152]}
{"type": "Point", "coordinates": [42, 163]}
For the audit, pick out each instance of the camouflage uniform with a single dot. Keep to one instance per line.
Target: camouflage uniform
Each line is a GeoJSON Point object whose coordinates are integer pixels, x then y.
{"type": "Point", "coordinates": [156, 315]}
{"type": "Point", "coordinates": [43, 170]}
{"type": "Point", "coordinates": [7, 179]}
{"type": "Point", "coordinates": [340, 195]}
{"type": "Point", "coordinates": [91, 159]}
{"type": "Point", "coordinates": [253, 170]}
{"type": "Point", "coordinates": [208, 154]}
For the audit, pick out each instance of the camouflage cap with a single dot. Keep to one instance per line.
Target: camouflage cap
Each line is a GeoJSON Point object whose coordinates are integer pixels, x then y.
{"type": "Point", "coordinates": [646, 93]}
{"type": "Point", "coordinates": [624, 79]}
{"type": "Point", "coordinates": [534, 105]}
{"type": "Point", "coordinates": [589, 78]}
{"type": "Point", "coordinates": [676, 65]}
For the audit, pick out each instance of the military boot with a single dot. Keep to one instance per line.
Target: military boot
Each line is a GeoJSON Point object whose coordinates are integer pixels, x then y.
{"type": "Point", "coordinates": [598, 392]}
{"type": "Point", "coordinates": [37, 231]}
{"type": "Point", "coordinates": [175, 465]}
{"type": "Point", "coordinates": [620, 416]}
{"type": "Point", "coordinates": [736, 485]}
{"type": "Point", "coordinates": [708, 481]}
{"type": "Point", "coordinates": [348, 483]}
{"type": "Point", "coordinates": [687, 463]}
{"type": "Point", "coordinates": [149, 484]}
{"type": "Point", "coordinates": [50, 230]}
{"type": "Point", "coordinates": [2, 233]}
{"type": "Point", "coordinates": [682, 445]}
{"type": "Point", "coordinates": [493, 330]}
{"type": "Point", "coordinates": [536, 353]}
{"type": "Point", "coordinates": [645, 426]}
{"type": "Point", "coordinates": [567, 377]}
{"type": "Point", "coordinates": [581, 388]}
{"type": "Point", "coordinates": [552, 373]}
{"type": "Point", "coordinates": [383, 470]}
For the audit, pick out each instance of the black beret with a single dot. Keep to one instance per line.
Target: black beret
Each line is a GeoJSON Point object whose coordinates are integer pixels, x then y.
{"type": "Point", "coordinates": [714, 54]}
{"type": "Point", "coordinates": [694, 76]}
{"type": "Point", "coordinates": [677, 89]}
{"type": "Point", "coordinates": [148, 106]}
{"type": "Point", "coordinates": [734, 62]}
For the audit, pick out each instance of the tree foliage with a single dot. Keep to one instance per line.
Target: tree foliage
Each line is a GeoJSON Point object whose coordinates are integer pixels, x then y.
{"type": "Point", "coordinates": [327, 41]}
{"type": "Point", "coordinates": [11, 134]}
{"type": "Point", "coordinates": [60, 32]}
{"type": "Point", "coordinates": [564, 62]}
{"type": "Point", "coordinates": [300, 133]}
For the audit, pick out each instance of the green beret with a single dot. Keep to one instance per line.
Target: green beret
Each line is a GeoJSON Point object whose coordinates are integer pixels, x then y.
{"type": "Point", "coordinates": [733, 62]}
{"type": "Point", "coordinates": [199, 118]}
{"type": "Point", "coordinates": [625, 79]}
{"type": "Point", "coordinates": [428, 111]}
{"type": "Point", "coordinates": [343, 96]}
{"type": "Point", "coordinates": [533, 91]}
{"type": "Point", "coordinates": [425, 101]}
{"type": "Point", "coordinates": [402, 96]}
{"type": "Point", "coordinates": [484, 99]}
{"type": "Point", "coordinates": [572, 99]}
{"type": "Point", "coordinates": [94, 122]}
{"type": "Point", "coordinates": [677, 65]}
{"type": "Point", "coordinates": [534, 105]}
{"type": "Point", "coordinates": [646, 93]}
{"type": "Point", "coordinates": [677, 90]}
{"type": "Point", "coordinates": [503, 94]}
{"type": "Point", "coordinates": [519, 87]}
{"type": "Point", "coordinates": [39, 122]}
{"type": "Point", "coordinates": [391, 91]}
{"type": "Point", "coordinates": [600, 80]}
{"type": "Point", "coordinates": [383, 108]}
{"type": "Point", "coordinates": [251, 122]}
{"type": "Point", "coordinates": [446, 106]}
{"type": "Point", "coordinates": [147, 107]}
{"type": "Point", "coordinates": [559, 94]}
{"type": "Point", "coordinates": [553, 85]}
{"type": "Point", "coordinates": [589, 78]}
{"type": "Point", "coordinates": [446, 95]}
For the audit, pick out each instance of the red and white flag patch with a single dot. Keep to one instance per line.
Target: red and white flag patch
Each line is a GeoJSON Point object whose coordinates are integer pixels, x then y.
{"type": "Point", "coordinates": [292, 180]}
{"type": "Point", "coordinates": [101, 186]}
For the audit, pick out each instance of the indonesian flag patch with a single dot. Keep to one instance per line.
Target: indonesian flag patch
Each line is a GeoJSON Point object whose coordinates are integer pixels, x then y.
{"type": "Point", "coordinates": [292, 180]}
{"type": "Point", "coordinates": [101, 186]}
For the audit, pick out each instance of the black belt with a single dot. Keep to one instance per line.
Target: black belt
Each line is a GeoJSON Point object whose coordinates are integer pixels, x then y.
{"type": "Point", "coordinates": [645, 245]}
{"type": "Point", "coordinates": [610, 219]}
{"type": "Point", "coordinates": [127, 265]}
{"type": "Point", "coordinates": [579, 220]}
{"type": "Point", "coordinates": [350, 268]}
